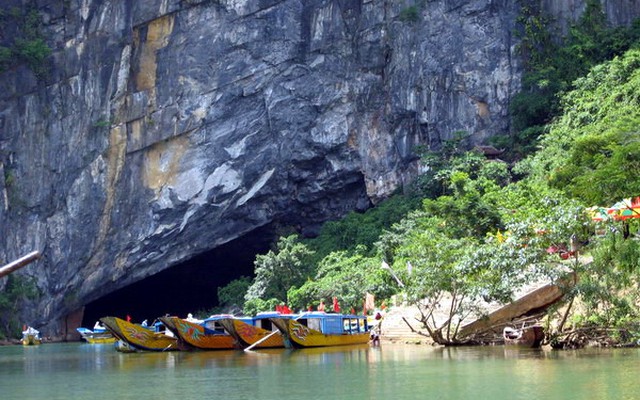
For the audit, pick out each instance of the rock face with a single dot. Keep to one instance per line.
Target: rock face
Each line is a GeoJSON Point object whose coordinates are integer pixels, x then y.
{"type": "Point", "coordinates": [166, 128]}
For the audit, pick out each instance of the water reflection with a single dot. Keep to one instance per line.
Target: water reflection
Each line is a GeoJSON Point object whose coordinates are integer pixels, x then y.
{"type": "Point", "coordinates": [64, 371]}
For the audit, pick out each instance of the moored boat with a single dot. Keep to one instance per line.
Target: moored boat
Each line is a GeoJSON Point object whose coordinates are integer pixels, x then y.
{"type": "Point", "coordinates": [259, 331]}
{"type": "Point", "coordinates": [316, 329]}
{"type": "Point", "coordinates": [97, 335]}
{"type": "Point", "coordinates": [208, 334]}
{"type": "Point", "coordinates": [31, 337]}
{"type": "Point", "coordinates": [530, 336]}
{"type": "Point", "coordinates": [140, 337]}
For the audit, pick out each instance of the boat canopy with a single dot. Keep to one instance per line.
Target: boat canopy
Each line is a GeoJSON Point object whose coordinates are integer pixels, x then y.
{"type": "Point", "coordinates": [335, 324]}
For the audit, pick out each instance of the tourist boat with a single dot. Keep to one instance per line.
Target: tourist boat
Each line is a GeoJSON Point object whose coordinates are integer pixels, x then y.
{"type": "Point", "coordinates": [151, 338]}
{"type": "Point", "coordinates": [31, 337]}
{"type": "Point", "coordinates": [530, 336]}
{"type": "Point", "coordinates": [258, 331]}
{"type": "Point", "coordinates": [316, 329]}
{"type": "Point", "coordinates": [208, 334]}
{"type": "Point", "coordinates": [99, 334]}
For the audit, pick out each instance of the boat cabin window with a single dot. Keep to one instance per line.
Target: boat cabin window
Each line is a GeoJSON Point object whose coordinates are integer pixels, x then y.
{"type": "Point", "coordinates": [354, 325]}
{"type": "Point", "coordinates": [265, 324]}
{"type": "Point", "coordinates": [314, 323]}
{"type": "Point", "coordinates": [363, 324]}
{"type": "Point", "coordinates": [214, 325]}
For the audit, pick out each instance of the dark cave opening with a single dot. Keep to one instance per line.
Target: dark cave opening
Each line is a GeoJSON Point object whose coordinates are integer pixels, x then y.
{"type": "Point", "coordinates": [189, 287]}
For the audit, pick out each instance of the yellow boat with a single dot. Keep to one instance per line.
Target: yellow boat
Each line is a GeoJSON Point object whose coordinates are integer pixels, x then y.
{"type": "Point", "coordinates": [206, 335]}
{"type": "Point", "coordinates": [96, 336]}
{"type": "Point", "coordinates": [317, 329]}
{"type": "Point", "coordinates": [140, 337]}
{"type": "Point", "coordinates": [256, 331]}
{"type": "Point", "coordinates": [31, 337]}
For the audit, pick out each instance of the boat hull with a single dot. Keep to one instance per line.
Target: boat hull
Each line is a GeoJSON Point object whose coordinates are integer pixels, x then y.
{"type": "Point", "coordinates": [95, 337]}
{"type": "Point", "coordinates": [249, 335]}
{"type": "Point", "coordinates": [195, 335]}
{"type": "Point", "coordinates": [31, 340]}
{"type": "Point", "coordinates": [139, 336]}
{"type": "Point", "coordinates": [300, 336]}
{"type": "Point", "coordinates": [31, 337]}
{"type": "Point", "coordinates": [100, 340]}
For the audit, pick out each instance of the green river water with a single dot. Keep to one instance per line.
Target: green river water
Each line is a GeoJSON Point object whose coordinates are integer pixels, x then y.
{"type": "Point", "coordinates": [391, 371]}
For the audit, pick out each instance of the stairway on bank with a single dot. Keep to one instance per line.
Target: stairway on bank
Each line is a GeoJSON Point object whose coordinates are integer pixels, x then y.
{"type": "Point", "coordinates": [395, 329]}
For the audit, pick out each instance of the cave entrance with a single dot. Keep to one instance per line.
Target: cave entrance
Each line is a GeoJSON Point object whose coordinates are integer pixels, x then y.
{"type": "Point", "coordinates": [189, 287]}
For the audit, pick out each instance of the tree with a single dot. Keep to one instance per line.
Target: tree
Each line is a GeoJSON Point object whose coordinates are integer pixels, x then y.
{"type": "Point", "coordinates": [233, 293]}
{"type": "Point", "coordinates": [457, 269]}
{"type": "Point", "coordinates": [360, 229]}
{"type": "Point", "coordinates": [18, 288]}
{"type": "Point", "coordinates": [345, 276]}
{"type": "Point", "coordinates": [279, 270]}
{"type": "Point", "coordinates": [593, 151]}
{"type": "Point", "coordinates": [552, 68]}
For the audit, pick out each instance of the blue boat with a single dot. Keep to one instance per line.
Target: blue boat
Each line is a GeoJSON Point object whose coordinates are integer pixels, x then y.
{"type": "Point", "coordinates": [317, 329]}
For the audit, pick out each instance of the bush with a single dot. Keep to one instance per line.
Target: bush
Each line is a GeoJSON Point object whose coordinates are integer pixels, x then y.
{"type": "Point", "coordinates": [6, 56]}
{"type": "Point", "coordinates": [28, 45]}
{"type": "Point", "coordinates": [410, 14]}
{"type": "Point", "coordinates": [33, 53]}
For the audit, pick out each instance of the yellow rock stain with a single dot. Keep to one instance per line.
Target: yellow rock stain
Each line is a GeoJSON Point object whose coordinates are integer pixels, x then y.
{"type": "Point", "coordinates": [483, 109]}
{"type": "Point", "coordinates": [162, 162]}
{"type": "Point", "coordinates": [158, 33]}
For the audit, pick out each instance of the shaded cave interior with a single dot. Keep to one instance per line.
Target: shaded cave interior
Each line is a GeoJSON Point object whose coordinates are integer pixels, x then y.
{"type": "Point", "coordinates": [188, 287]}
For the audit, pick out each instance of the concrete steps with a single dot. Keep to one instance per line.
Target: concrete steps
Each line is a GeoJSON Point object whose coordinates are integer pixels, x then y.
{"type": "Point", "coordinates": [394, 328]}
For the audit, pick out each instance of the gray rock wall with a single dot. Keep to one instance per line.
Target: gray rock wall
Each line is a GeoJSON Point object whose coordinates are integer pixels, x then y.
{"type": "Point", "coordinates": [169, 127]}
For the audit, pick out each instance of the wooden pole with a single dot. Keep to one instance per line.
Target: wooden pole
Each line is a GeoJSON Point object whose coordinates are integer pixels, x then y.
{"type": "Point", "coordinates": [19, 263]}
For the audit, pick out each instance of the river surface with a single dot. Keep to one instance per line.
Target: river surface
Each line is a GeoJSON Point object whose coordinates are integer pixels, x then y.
{"type": "Point", "coordinates": [391, 372]}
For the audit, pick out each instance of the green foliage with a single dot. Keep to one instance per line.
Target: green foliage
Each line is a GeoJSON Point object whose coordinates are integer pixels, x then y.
{"type": "Point", "coordinates": [478, 244]}
{"type": "Point", "coordinates": [233, 293]}
{"type": "Point", "coordinates": [360, 229]}
{"type": "Point", "coordinates": [102, 123]}
{"type": "Point", "coordinates": [345, 276]}
{"type": "Point", "coordinates": [593, 151]}
{"type": "Point", "coordinates": [609, 287]}
{"type": "Point", "coordinates": [28, 45]}
{"type": "Point", "coordinates": [465, 215]}
{"type": "Point", "coordinates": [438, 272]}
{"type": "Point", "coordinates": [441, 165]}
{"type": "Point", "coordinates": [18, 288]}
{"type": "Point", "coordinates": [550, 68]}
{"type": "Point", "coordinates": [255, 305]}
{"type": "Point", "coordinates": [535, 104]}
{"type": "Point", "coordinates": [279, 270]}
{"type": "Point", "coordinates": [6, 56]}
{"type": "Point", "coordinates": [9, 178]}
{"type": "Point", "coordinates": [409, 14]}
{"type": "Point", "coordinates": [34, 53]}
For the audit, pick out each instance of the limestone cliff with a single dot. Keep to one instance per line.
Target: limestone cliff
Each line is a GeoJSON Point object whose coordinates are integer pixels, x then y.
{"type": "Point", "coordinates": [169, 127]}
